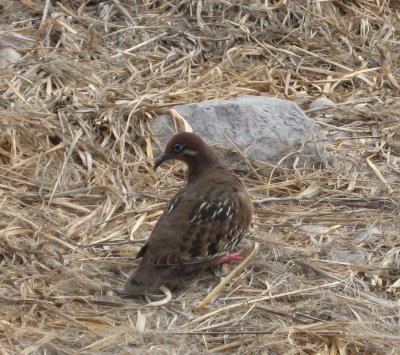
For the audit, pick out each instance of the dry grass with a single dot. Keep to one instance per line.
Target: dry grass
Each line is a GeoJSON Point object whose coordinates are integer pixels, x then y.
{"type": "Point", "coordinates": [75, 167]}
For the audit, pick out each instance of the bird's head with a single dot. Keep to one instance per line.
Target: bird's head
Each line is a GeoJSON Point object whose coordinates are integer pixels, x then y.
{"type": "Point", "coordinates": [190, 149]}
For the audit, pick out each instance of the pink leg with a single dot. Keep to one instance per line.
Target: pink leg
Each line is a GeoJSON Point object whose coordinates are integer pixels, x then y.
{"type": "Point", "coordinates": [233, 257]}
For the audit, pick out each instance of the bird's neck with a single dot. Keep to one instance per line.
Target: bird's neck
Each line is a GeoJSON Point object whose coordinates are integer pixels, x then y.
{"type": "Point", "coordinates": [202, 165]}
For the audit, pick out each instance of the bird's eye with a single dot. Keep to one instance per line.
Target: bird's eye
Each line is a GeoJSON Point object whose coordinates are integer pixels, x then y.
{"type": "Point", "coordinates": [178, 148]}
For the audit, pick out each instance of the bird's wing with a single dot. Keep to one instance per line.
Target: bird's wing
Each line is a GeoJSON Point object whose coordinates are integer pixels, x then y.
{"type": "Point", "coordinates": [196, 229]}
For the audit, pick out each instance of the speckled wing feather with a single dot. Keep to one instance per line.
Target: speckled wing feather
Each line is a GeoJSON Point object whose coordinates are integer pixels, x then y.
{"type": "Point", "coordinates": [201, 223]}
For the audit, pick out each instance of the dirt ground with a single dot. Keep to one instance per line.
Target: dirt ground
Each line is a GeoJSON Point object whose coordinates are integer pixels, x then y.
{"type": "Point", "coordinates": [77, 181]}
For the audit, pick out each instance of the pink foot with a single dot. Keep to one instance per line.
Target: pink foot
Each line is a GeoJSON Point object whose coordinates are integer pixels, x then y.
{"type": "Point", "coordinates": [233, 257]}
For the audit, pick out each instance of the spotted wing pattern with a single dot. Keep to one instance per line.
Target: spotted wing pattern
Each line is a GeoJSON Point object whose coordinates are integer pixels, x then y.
{"type": "Point", "coordinates": [211, 227]}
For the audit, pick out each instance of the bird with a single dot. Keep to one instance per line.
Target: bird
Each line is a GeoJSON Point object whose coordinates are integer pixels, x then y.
{"type": "Point", "coordinates": [200, 226]}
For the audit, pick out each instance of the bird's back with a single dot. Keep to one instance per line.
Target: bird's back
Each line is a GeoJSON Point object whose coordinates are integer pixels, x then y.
{"type": "Point", "coordinates": [206, 218]}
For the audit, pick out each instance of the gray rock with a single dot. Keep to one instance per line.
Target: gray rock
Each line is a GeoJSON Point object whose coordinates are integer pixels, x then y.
{"type": "Point", "coordinates": [352, 257]}
{"type": "Point", "coordinates": [322, 103]}
{"type": "Point", "coordinates": [264, 128]}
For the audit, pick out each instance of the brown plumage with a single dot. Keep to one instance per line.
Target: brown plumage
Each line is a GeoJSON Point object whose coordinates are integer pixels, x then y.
{"type": "Point", "coordinates": [202, 222]}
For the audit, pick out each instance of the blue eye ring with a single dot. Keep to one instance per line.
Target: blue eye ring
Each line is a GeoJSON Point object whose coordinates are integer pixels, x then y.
{"type": "Point", "coordinates": [178, 148]}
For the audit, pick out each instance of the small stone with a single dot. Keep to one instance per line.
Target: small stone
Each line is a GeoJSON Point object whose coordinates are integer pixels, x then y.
{"type": "Point", "coordinates": [321, 103]}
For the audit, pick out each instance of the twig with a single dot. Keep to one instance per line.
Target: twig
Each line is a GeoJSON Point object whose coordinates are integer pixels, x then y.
{"type": "Point", "coordinates": [378, 173]}
{"type": "Point", "coordinates": [263, 298]}
{"type": "Point", "coordinates": [346, 287]}
{"type": "Point", "coordinates": [45, 12]}
{"type": "Point", "coordinates": [228, 278]}
{"type": "Point", "coordinates": [232, 345]}
{"type": "Point", "coordinates": [100, 244]}
{"type": "Point", "coordinates": [128, 51]}
{"type": "Point", "coordinates": [164, 301]}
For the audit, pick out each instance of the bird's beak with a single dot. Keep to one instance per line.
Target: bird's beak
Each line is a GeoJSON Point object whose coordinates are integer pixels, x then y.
{"type": "Point", "coordinates": [161, 160]}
